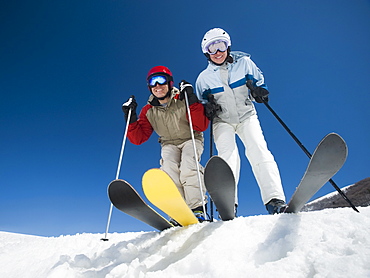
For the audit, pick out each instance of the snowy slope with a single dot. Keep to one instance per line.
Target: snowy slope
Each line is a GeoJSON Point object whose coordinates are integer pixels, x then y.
{"type": "Point", "coordinates": [328, 243]}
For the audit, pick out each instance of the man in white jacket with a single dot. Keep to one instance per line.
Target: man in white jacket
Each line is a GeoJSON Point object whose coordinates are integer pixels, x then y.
{"type": "Point", "coordinates": [228, 103]}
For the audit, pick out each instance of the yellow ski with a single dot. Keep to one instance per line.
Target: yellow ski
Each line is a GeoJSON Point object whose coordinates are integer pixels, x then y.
{"type": "Point", "coordinates": [162, 192]}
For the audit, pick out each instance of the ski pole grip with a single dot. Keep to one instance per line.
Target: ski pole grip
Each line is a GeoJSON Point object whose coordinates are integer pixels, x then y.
{"type": "Point", "coordinates": [250, 85]}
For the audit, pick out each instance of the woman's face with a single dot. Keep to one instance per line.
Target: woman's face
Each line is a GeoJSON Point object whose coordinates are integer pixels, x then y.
{"type": "Point", "coordinates": [219, 57]}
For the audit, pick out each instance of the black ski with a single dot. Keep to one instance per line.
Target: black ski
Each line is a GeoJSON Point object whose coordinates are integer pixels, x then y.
{"type": "Point", "coordinates": [220, 183]}
{"type": "Point", "coordinates": [125, 198]}
{"type": "Point", "coordinates": [326, 161]}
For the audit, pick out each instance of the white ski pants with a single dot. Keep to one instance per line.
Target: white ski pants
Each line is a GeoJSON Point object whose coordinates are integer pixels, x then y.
{"type": "Point", "coordinates": [262, 161]}
{"type": "Point", "coordinates": [179, 163]}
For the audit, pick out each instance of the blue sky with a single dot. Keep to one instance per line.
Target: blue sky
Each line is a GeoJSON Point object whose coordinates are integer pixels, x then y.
{"type": "Point", "coordinates": [67, 66]}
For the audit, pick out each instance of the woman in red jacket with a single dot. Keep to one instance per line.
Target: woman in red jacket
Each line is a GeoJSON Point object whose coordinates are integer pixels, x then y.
{"type": "Point", "coordinates": [166, 114]}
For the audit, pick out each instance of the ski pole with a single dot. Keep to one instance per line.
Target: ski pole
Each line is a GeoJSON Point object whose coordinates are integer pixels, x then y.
{"type": "Point", "coordinates": [117, 173]}
{"type": "Point", "coordinates": [195, 154]}
{"type": "Point", "coordinates": [210, 155]}
{"type": "Point", "coordinates": [250, 86]}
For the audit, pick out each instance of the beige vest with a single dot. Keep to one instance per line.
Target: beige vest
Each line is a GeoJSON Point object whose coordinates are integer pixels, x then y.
{"type": "Point", "coordinates": [170, 121]}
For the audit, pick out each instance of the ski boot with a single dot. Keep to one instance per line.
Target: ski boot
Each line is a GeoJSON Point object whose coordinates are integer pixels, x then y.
{"type": "Point", "coordinates": [276, 206]}
{"type": "Point", "coordinates": [199, 214]}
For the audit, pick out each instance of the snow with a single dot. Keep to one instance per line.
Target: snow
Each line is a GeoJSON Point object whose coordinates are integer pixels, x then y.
{"type": "Point", "coordinates": [328, 243]}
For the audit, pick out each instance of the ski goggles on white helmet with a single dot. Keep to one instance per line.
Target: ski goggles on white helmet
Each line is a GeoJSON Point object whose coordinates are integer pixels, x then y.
{"type": "Point", "coordinates": [160, 79]}
{"type": "Point", "coordinates": [218, 45]}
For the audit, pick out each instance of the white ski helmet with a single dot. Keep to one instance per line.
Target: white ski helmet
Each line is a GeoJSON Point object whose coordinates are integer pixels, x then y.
{"type": "Point", "coordinates": [214, 35]}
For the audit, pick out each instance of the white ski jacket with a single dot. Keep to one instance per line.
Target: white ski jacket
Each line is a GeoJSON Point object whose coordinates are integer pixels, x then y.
{"type": "Point", "coordinates": [228, 85]}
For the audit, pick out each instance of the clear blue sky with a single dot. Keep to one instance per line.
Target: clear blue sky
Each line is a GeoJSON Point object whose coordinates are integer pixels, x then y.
{"type": "Point", "coordinates": [67, 66]}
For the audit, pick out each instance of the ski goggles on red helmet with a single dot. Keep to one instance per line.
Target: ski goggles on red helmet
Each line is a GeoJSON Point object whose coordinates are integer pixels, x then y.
{"type": "Point", "coordinates": [160, 79]}
{"type": "Point", "coordinates": [215, 46]}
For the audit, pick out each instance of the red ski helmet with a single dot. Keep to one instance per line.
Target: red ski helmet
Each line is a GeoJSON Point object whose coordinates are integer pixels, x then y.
{"type": "Point", "coordinates": [160, 70]}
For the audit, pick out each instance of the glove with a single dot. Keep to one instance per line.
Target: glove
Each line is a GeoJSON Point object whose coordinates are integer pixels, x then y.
{"type": "Point", "coordinates": [260, 94]}
{"type": "Point", "coordinates": [130, 104]}
{"type": "Point", "coordinates": [212, 108]}
{"type": "Point", "coordinates": [186, 87]}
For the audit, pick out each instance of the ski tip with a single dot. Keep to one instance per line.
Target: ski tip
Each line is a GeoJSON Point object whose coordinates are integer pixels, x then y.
{"type": "Point", "coordinates": [152, 171]}
{"type": "Point", "coordinates": [118, 181]}
{"type": "Point", "coordinates": [154, 174]}
{"type": "Point", "coordinates": [335, 139]}
{"type": "Point", "coordinates": [216, 159]}
{"type": "Point", "coordinates": [334, 134]}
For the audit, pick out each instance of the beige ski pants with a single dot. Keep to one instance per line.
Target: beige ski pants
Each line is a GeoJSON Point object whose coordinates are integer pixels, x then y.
{"type": "Point", "coordinates": [179, 163]}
